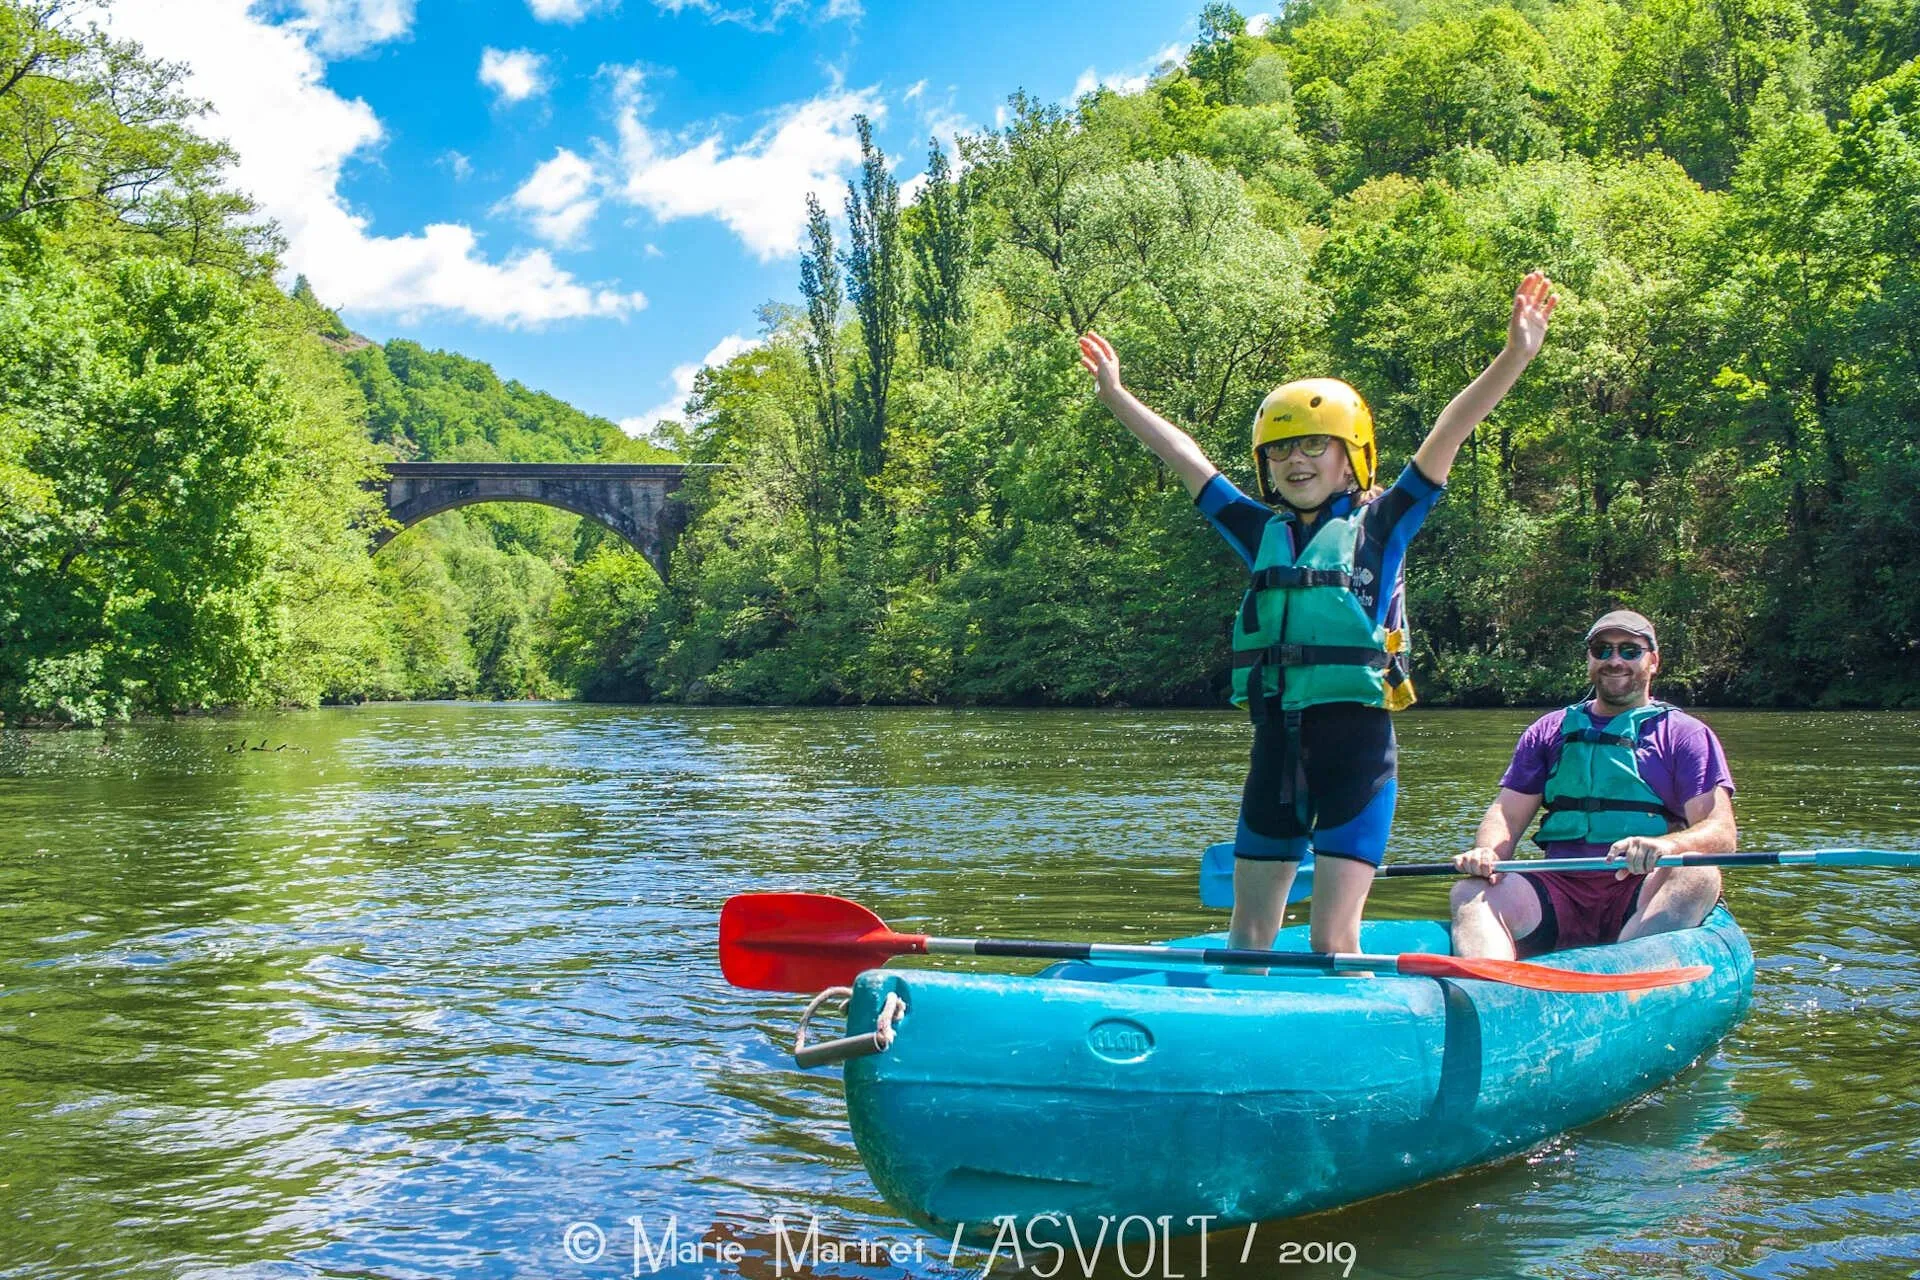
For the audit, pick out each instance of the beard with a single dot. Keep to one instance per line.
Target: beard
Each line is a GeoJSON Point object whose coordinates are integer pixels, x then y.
{"type": "Point", "coordinates": [1619, 690]}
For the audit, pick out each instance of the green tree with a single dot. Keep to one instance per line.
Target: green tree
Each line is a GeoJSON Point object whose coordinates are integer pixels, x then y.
{"type": "Point", "coordinates": [1052, 268]}
{"type": "Point", "coordinates": [1218, 58]}
{"type": "Point", "coordinates": [158, 432]}
{"type": "Point", "coordinates": [820, 287]}
{"type": "Point", "coordinates": [1689, 75]}
{"type": "Point", "coordinates": [599, 616]}
{"type": "Point", "coordinates": [1450, 83]}
{"type": "Point", "coordinates": [876, 285]}
{"type": "Point", "coordinates": [937, 234]}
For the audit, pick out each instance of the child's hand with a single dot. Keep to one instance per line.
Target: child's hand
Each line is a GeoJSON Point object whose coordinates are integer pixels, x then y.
{"type": "Point", "coordinates": [1532, 306]}
{"type": "Point", "coordinates": [1098, 359]}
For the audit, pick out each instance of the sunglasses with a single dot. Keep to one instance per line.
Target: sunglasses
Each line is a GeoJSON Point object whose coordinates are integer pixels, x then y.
{"type": "Point", "coordinates": [1629, 652]}
{"type": "Point", "coordinates": [1309, 446]}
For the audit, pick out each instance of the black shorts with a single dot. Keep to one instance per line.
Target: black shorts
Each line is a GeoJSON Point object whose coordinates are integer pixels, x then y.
{"type": "Point", "coordinates": [1351, 761]}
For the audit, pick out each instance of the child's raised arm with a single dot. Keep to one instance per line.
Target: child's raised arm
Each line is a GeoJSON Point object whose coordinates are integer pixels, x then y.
{"type": "Point", "coordinates": [1526, 330]}
{"type": "Point", "coordinates": [1169, 443]}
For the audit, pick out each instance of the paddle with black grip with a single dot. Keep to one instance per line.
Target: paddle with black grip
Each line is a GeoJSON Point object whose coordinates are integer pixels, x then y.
{"type": "Point", "coordinates": [812, 941]}
{"type": "Point", "coordinates": [1216, 867]}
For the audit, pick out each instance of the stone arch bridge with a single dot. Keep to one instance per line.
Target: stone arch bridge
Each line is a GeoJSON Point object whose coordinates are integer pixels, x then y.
{"type": "Point", "coordinates": [629, 498]}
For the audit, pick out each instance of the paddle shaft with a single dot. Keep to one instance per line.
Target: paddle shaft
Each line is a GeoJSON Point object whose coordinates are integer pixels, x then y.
{"type": "Point", "coordinates": [1216, 867]}
{"type": "Point", "coordinates": [1791, 858]}
{"type": "Point", "coordinates": [1015, 948]}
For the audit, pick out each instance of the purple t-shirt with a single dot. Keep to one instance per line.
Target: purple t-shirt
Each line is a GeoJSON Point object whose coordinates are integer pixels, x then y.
{"type": "Point", "coordinates": [1678, 757]}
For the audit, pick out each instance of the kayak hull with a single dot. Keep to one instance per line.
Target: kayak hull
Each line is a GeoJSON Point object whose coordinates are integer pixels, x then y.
{"type": "Point", "coordinates": [1097, 1091]}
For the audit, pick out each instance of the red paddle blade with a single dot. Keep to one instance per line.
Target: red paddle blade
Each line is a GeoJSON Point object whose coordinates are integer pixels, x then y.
{"type": "Point", "coordinates": [803, 941]}
{"type": "Point", "coordinates": [1542, 977]}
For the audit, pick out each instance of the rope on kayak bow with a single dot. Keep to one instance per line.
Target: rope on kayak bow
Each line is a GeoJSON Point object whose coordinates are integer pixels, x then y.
{"type": "Point", "coordinates": [828, 1051]}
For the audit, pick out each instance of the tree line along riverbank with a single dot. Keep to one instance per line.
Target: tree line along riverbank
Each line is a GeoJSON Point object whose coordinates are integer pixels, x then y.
{"type": "Point", "coordinates": [919, 500]}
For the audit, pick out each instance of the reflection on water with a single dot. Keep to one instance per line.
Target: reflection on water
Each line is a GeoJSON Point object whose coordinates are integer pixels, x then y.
{"type": "Point", "coordinates": [431, 984]}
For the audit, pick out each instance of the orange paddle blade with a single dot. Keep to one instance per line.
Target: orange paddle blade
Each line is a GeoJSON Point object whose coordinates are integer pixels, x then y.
{"type": "Point", "coordinates": [803, 941]}
{"type": "Point", "coordinates": [1542, 977]}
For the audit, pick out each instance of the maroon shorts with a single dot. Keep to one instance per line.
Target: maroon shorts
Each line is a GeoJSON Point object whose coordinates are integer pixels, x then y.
{"type": "Point", "coordinates": [1579, 909]}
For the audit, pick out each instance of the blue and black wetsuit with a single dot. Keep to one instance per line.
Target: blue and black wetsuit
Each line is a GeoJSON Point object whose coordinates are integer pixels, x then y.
{"type": "Point", "coordinates": [1347, 750]}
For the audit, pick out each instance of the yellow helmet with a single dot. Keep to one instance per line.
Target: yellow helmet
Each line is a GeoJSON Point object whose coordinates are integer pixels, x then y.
{"type": "Point", "coordinates": [1315, 407]}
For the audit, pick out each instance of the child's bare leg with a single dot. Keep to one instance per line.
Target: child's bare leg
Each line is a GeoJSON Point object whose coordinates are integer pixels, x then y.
{"type": "Point", "coordinates": [1259, 901]}
{"type": "Point", "coordinates": [1340, 888]}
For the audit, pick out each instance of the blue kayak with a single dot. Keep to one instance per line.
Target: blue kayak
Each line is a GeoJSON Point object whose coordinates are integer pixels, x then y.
{"type": "Point", "coordinates": [1216, 1099]}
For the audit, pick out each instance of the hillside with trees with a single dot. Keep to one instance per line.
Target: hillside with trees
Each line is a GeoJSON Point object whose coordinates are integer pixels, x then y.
{"type": "Point", "coordinates": [183, 447]}
{"type": "Point", "coordinates": [922, 502]}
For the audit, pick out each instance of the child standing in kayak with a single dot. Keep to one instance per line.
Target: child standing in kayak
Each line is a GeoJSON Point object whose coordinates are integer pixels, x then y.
{"type": "Point", "coordinates": [1320, 640]}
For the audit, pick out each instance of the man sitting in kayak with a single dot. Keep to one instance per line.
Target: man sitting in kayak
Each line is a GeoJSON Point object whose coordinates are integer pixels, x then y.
{"type": "Point", "coordinates": [1622, 776]}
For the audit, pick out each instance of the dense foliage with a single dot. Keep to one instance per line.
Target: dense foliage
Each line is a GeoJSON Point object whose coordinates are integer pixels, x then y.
{"type": "Point", "coordinates": [183, 518]}
{"type": "Point", "coordinates": [1722, 430]}
{"type": "Point", "coordinates": [914, 496]}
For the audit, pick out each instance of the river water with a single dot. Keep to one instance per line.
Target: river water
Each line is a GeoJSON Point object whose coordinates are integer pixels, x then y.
{"type": "Point", "coordinates": [430, 990]}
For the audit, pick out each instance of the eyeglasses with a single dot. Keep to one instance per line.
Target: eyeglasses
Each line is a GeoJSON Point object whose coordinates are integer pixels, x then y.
{"type": "Point", "coordinates": [1629, 652]}
{"type": "Point", "coordinates": [1309, 446]}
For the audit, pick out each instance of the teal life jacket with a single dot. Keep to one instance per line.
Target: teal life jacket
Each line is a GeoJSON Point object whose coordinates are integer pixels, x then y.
{"type": "Point", "coordinates": [1302, 636]}
{"type": "Point", "coordinates": [1595, 792]}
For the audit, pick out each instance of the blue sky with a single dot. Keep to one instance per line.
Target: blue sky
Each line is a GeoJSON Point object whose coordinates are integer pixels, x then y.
{"type": "Point", "coordinates": [594, 196]}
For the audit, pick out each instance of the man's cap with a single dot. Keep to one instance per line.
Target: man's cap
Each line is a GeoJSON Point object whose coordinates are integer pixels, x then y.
{"type": "Point", "coordinates": [1624, 620]}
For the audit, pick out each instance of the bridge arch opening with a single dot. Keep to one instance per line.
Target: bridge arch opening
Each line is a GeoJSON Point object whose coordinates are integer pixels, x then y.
{"type": "Point", "coordinates": [415, 518]}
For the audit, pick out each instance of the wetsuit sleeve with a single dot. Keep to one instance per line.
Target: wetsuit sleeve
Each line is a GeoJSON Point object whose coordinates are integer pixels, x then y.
{"type": "Point", "coordinates": [1533, 756]}
{"type": "Point", "coordinates": [1396, 515]}
{"type": "Point", "coordinates": [1240, 520]}
{"type": "Point", "coordinates": [1389, 523]}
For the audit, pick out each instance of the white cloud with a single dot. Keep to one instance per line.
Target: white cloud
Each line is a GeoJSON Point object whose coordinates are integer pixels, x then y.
{"type": "Point", "coordinates": [1130, 81]}
{"type": "Point", "coordinates": [560, 198]}
{"type": "Point", "coordinates": [674, 407]}
{"type": "Point", "coordinates": [341, 28]}
{"type": "Point", "coordinates": [947, 126]}
{"type": "Point", "coordinates": [1257, 25]}
{"type": "Point", "coordinates": [944, 125]}
{"type": "Point", "coordinates": [568, 11]}
{"type": "Point", "coordinates": [938, 119]}
{"type": "Point", "coordinates": [515, 75]}
{"type": "Point", "coordinates": [757, 16]}
{"type": "Point", "coordinates": [293, 135]}
{"type": "Point", "coordinates": [758, 188]}
{"type": "Point", "coordinates": [460, 163]}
